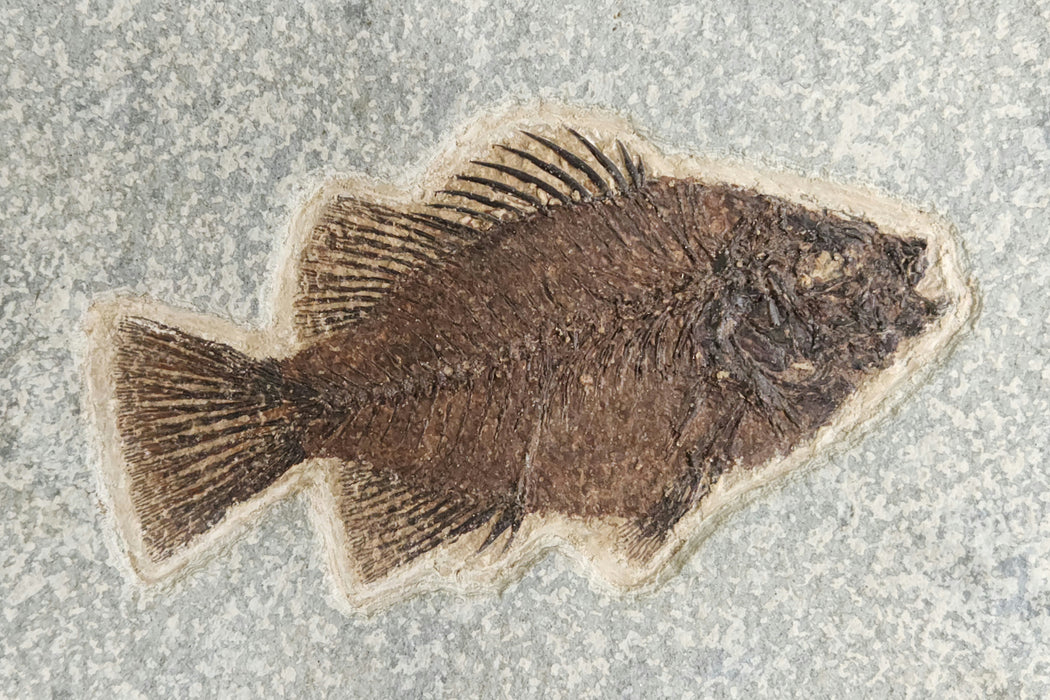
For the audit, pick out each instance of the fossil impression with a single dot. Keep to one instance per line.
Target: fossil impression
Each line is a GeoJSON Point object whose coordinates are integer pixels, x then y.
{"type": "Point", "coordinates": [560, 337]}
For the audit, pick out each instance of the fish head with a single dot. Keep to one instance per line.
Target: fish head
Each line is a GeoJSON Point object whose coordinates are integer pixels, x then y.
{"type": "Point", "coordinates": [817, 302]}
{"type": "Point", "coordinates": [855, 289]}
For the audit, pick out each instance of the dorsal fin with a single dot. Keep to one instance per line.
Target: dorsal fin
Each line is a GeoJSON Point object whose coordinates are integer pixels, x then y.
{"type": "Point", "coordinates": [536, 171]}
{"type": "Point", "coordinates": [358, 251]}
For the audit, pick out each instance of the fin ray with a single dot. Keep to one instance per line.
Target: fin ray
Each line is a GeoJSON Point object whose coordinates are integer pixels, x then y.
{"type": "Point", "coordinates": [518, 172]}
{"type": "Point", "coordinates": [193, 449]}
{"type": "Point", "coordinates": [550, 169]}
{"type": "Point", "coordinates": [389, 524]}
{"type": "Point", "coordinates": [574, 160]}
{"type": "Point", "coordinates": [606, 162]}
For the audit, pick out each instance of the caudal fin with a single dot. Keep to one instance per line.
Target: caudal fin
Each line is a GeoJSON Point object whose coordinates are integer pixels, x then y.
{"type": "Point", "coordinates": [202, 427]}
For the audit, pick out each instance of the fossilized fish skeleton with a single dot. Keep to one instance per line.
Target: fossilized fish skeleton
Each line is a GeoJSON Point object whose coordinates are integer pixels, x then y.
{"type": "Point", "coordinates": [560, 336]}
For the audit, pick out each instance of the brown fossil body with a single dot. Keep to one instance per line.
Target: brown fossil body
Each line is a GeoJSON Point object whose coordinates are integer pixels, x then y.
{"type": "Point", "coordinates": [556, 332]}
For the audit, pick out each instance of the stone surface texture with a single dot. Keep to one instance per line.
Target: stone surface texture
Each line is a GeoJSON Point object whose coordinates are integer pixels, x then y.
{"type": "Point", "coordinates": [161, 149]}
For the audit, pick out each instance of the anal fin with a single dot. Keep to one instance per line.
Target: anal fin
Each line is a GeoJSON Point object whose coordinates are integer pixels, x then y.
{"type": "Point", "coordinates": [389, 523]}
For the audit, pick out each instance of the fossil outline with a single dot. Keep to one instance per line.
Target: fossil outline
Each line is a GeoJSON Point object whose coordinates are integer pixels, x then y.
{"type": "Point", "coordinates": [534, 166]}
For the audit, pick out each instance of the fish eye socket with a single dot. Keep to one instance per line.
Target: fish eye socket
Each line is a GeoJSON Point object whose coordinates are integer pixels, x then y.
{"type": "Point", "coordinates": [820, 267]}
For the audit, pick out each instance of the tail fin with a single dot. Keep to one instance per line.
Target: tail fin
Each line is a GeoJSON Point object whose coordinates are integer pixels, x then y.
{"type": "Point", "coordinates": [202, 427]}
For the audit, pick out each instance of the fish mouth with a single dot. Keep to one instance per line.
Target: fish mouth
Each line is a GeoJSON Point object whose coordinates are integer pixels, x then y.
{"type": "Point", "coordinates": [913, 263]}
{"type": "Point", "coordinates": [918, 313]}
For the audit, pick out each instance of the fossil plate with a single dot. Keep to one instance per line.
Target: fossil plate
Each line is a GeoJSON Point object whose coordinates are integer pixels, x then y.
{"type": "Point", "coordinates": [558, 335]}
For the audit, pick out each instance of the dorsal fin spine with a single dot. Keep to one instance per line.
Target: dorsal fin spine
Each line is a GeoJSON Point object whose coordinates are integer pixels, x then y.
{"type": "Point", "coordinates": [497, 186]}
{"type": "Point", "coordinates": [551, 169]}
{"type": "Point", "coordinates": [525, 177]}
{"type": "Point", "coordinates": [632, 169]}
{"type": "Point", "coordinates": [605, 161]}
{"type": "Point", "coordinates": [575, 161]}
{"type": "Point", "coordinates": [481, 199]}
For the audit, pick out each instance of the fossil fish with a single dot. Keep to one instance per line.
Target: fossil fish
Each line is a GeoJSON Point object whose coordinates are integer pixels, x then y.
{"type": "Point", "coordinates": [569, 338]}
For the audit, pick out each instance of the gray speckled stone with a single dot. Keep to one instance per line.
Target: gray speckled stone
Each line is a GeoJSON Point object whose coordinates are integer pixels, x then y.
{"type": "Point", "coordinates": [161, 151]}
